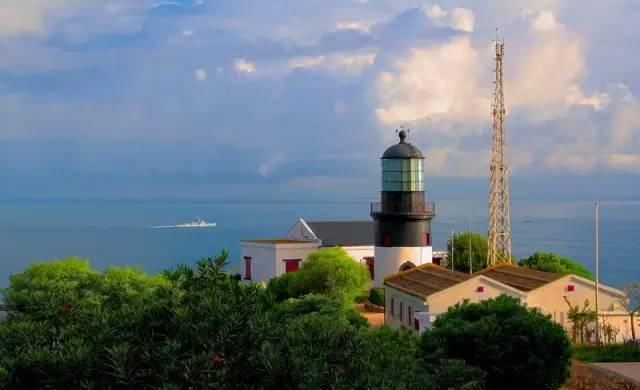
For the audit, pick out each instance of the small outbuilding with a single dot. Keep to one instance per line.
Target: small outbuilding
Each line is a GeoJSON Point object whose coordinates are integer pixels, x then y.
{"type": "Point", "coordinates": [415, 298]}
{"type": "Point", "coordinates": [265, 259]}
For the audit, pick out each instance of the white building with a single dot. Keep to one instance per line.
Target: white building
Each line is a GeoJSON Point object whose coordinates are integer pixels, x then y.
{"type": "Point", "coordinates": [266, 259]}
{"type": "Point", "coordinates": [416, 297]}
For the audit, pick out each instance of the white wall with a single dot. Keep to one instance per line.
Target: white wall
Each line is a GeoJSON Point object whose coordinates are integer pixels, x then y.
{"type": "Point", "coordinates": [263, 265]}
{"type": "Point", "coordinates": [389, 259]}
{"type": "Point", "coordinates": [292, 252]}
{"type": "Point", "coordinates": [417, 305]}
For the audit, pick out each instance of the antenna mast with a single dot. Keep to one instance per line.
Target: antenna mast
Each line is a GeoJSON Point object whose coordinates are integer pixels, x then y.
{"type": "Point", "coordinates": [499, 234]}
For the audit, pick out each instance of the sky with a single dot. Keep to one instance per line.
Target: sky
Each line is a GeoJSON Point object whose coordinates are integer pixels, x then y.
{"type": "Point", "coordinates": [248, 98]}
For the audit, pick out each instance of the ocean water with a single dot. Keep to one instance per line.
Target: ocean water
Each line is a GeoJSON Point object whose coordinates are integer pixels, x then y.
{"type": "Point", "coordinates": [120, 233]}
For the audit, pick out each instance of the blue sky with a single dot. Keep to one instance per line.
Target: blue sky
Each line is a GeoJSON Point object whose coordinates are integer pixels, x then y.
{"type": "Point", "coordinates": [136, 97]}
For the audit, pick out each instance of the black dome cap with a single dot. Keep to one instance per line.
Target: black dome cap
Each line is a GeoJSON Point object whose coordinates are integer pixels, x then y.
{"type": "Point", "coordinates": [403, 149]}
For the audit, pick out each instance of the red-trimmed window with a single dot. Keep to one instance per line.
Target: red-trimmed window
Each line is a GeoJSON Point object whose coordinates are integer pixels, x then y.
{"type": "Point", "coordinates": [480, 289]}
{"type": "Point", "coordinates": [386, 239]}
{"type": "Point", "coordinates": [571, 288]}
{"type": "Point", "coordinates": [410, 315]}
{"type": "Point", "coordinates": [393, 305]}
{"type": "Point", "coordinates": [416, 324]}
{"type": "Point", "coordinates": [370, 262]}
{"type": "Point", "coordinates": [401, 311]}
{"type": "Point", "coordinates": [426, 239]}
{"type": "Point", "coordinates": [247, 268]}
{"type": "Point", "coordinates": [292, 265]}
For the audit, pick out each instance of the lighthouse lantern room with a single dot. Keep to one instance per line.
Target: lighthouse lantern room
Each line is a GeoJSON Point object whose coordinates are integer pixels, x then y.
{"type": "Point", "coordinates": [403, 217]}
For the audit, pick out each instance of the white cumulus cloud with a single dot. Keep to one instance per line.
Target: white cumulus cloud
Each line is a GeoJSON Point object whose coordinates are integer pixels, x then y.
{"type": "Point", "coordinates": [306, 62]}
{"type": "Point", "coordinates": [461, 19]}
{"type": "Point", "coordinates": [243, 66]}
{"type": "Point", "coordinates": [200, 74]}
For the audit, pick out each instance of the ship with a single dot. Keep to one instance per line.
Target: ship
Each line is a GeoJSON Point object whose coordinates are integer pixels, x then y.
{"type": "Point", "coordinates": [198, 223]}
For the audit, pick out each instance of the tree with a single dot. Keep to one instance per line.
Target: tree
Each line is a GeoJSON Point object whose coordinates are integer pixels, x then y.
{"type": "Point", "coordinates": [330, 272]}
{"type": "Point", "coordinates": [517, 347]}
{"type": "Point", "coordinates": [632, 304]}
{"type": "Point", "coordinates": [552, 262]}
{"type": "Point", "coordinates": [468, 245]}
{"type": "Point", "coordinates": [580, 319]}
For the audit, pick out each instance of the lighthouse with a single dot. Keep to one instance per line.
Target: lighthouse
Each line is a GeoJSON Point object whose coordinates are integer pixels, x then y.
{"type": "Point", "coordinates": [403, 217]}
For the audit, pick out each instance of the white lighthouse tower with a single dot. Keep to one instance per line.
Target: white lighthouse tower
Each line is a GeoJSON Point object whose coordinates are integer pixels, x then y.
{"type": "Point", "coordinates": [403, 216]}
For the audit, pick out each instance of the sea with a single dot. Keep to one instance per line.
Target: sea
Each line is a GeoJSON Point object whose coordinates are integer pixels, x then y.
{"type": "Point", "coordinates": [121, 232]}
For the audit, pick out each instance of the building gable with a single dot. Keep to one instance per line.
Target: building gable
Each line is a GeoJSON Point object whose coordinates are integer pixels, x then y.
{"type": "Point", "coordinates": [301, 231]}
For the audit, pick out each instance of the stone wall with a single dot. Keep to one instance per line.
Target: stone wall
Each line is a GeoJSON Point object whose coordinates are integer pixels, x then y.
{"type": "Point", "coordinates": [589, 377]}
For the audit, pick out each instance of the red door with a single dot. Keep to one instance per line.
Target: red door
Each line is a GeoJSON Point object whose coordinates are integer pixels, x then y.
{"type": "Point", "coordinates": [291, 265]}
{"type": "Point", "coordinates": [247, 268]}
{"type": "Point", "coordinates": [370, 262]}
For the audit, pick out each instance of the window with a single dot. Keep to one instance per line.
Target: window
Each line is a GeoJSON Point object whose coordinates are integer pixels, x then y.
{"type": "Point", "coordinates": [480, 289]}
{"type": "Point", "coordinates": [291, 265]}
{"type": "Point", "coordinates": [571, 288]}
{"type": "Point", "coordinates": [416, 324]}
{"type": "Point", "coordinates": [401, 311]}
{"type": "Point", "coordinates": [370, 263]}
{"type": "Point", "coordinates": [392, 306]}
{"type": "Point", "coordinates": [386, 239]}
{"type": "Point", "coordinates": [247, 268]}
{"type": "Point", "coordinates": [426, 239]}
{"type": "Point", "coordinates": [410, 315]}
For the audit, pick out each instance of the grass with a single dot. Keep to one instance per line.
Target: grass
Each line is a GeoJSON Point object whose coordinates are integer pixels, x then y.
{"type": "Point", "coordinates": [628, 352]}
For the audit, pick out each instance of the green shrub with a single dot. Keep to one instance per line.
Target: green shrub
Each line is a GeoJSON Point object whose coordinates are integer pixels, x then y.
{"type": "Point", "coordinates": [280, 287]}
{"type": "Point", "coordinates": [363, 298]}
{"type": "Point", "coordinates": [376, 296]}
{"type": "Point", "coordinates": [330, 272]}
{"type": "Point", "coordinates": [628, 352]}
{"type": "Point", "coordinates": [517, 347]}
{"type": "Point", "coordinates": [552, 262]}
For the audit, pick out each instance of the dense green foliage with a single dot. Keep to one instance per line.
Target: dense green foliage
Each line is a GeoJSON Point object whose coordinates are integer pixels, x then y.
{"type": "Point", "coordinates": [552, 262]}
{"type": "Point", "coordinates": [330, 272]}
{"type": "Point", "coordinates": [515, 346]}
{"type": "Point", "coordinates": [376, 296]}
{"type": "Point", "coordinates": [629, 352]}
{"type": "Point", "coordinates": [466, 246]}
{"type": "Point", "coordinates": [74, 327]}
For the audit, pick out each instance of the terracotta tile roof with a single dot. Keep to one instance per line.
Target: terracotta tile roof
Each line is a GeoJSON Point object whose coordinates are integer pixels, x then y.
{"type": "Point", "coordinates": [279, 241]}
{"type": "Point", "coordinates": [521, 278]}
{"type": "Point", "coordinates": [425, 280]}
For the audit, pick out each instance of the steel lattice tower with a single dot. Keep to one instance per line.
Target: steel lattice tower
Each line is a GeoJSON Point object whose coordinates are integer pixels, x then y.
{"type": "Point", "coordinates": [499, 234]}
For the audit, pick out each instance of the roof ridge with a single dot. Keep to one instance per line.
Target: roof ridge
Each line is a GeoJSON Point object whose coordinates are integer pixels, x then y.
{"type": "Point", "coordinates": [532, 274]}
{"type": "Point", "coordinates": [410, 270]}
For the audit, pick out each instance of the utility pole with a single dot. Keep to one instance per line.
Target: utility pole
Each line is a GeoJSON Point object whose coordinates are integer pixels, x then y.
{"type": "Point", "coordinates": [597, 266]}
{"type": "Point", "coordinates": [499, 230]}
{"type": "Point", "coordinates": [453, 238]}
{"type": "Point", "coordinates": [470, 253]}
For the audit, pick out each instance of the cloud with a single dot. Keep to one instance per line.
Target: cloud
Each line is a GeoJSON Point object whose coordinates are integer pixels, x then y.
{"type": "Point", "coordinates": [243, 66]}
{"type": "Point", "coordinates": [200, 74]}
{"type": "Point", "coordinates": [306, 62]}
{"type": "Point", "coordinates": [625, 162]}
{"type": "Point", "coordinates": [434, 82]}
{"type": "Point", "coordinates": [272, 163]}
{"type": "Point", "coordinates": [355, 62]}
{"type": "Point", "coordinates": [461, 19]}
{"type": "Point", "coordinates": [358, 25]}
{"type": "Point", "coordinates": [339, 70]}
{"type": "Point", "coordinates": [20, 17]}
